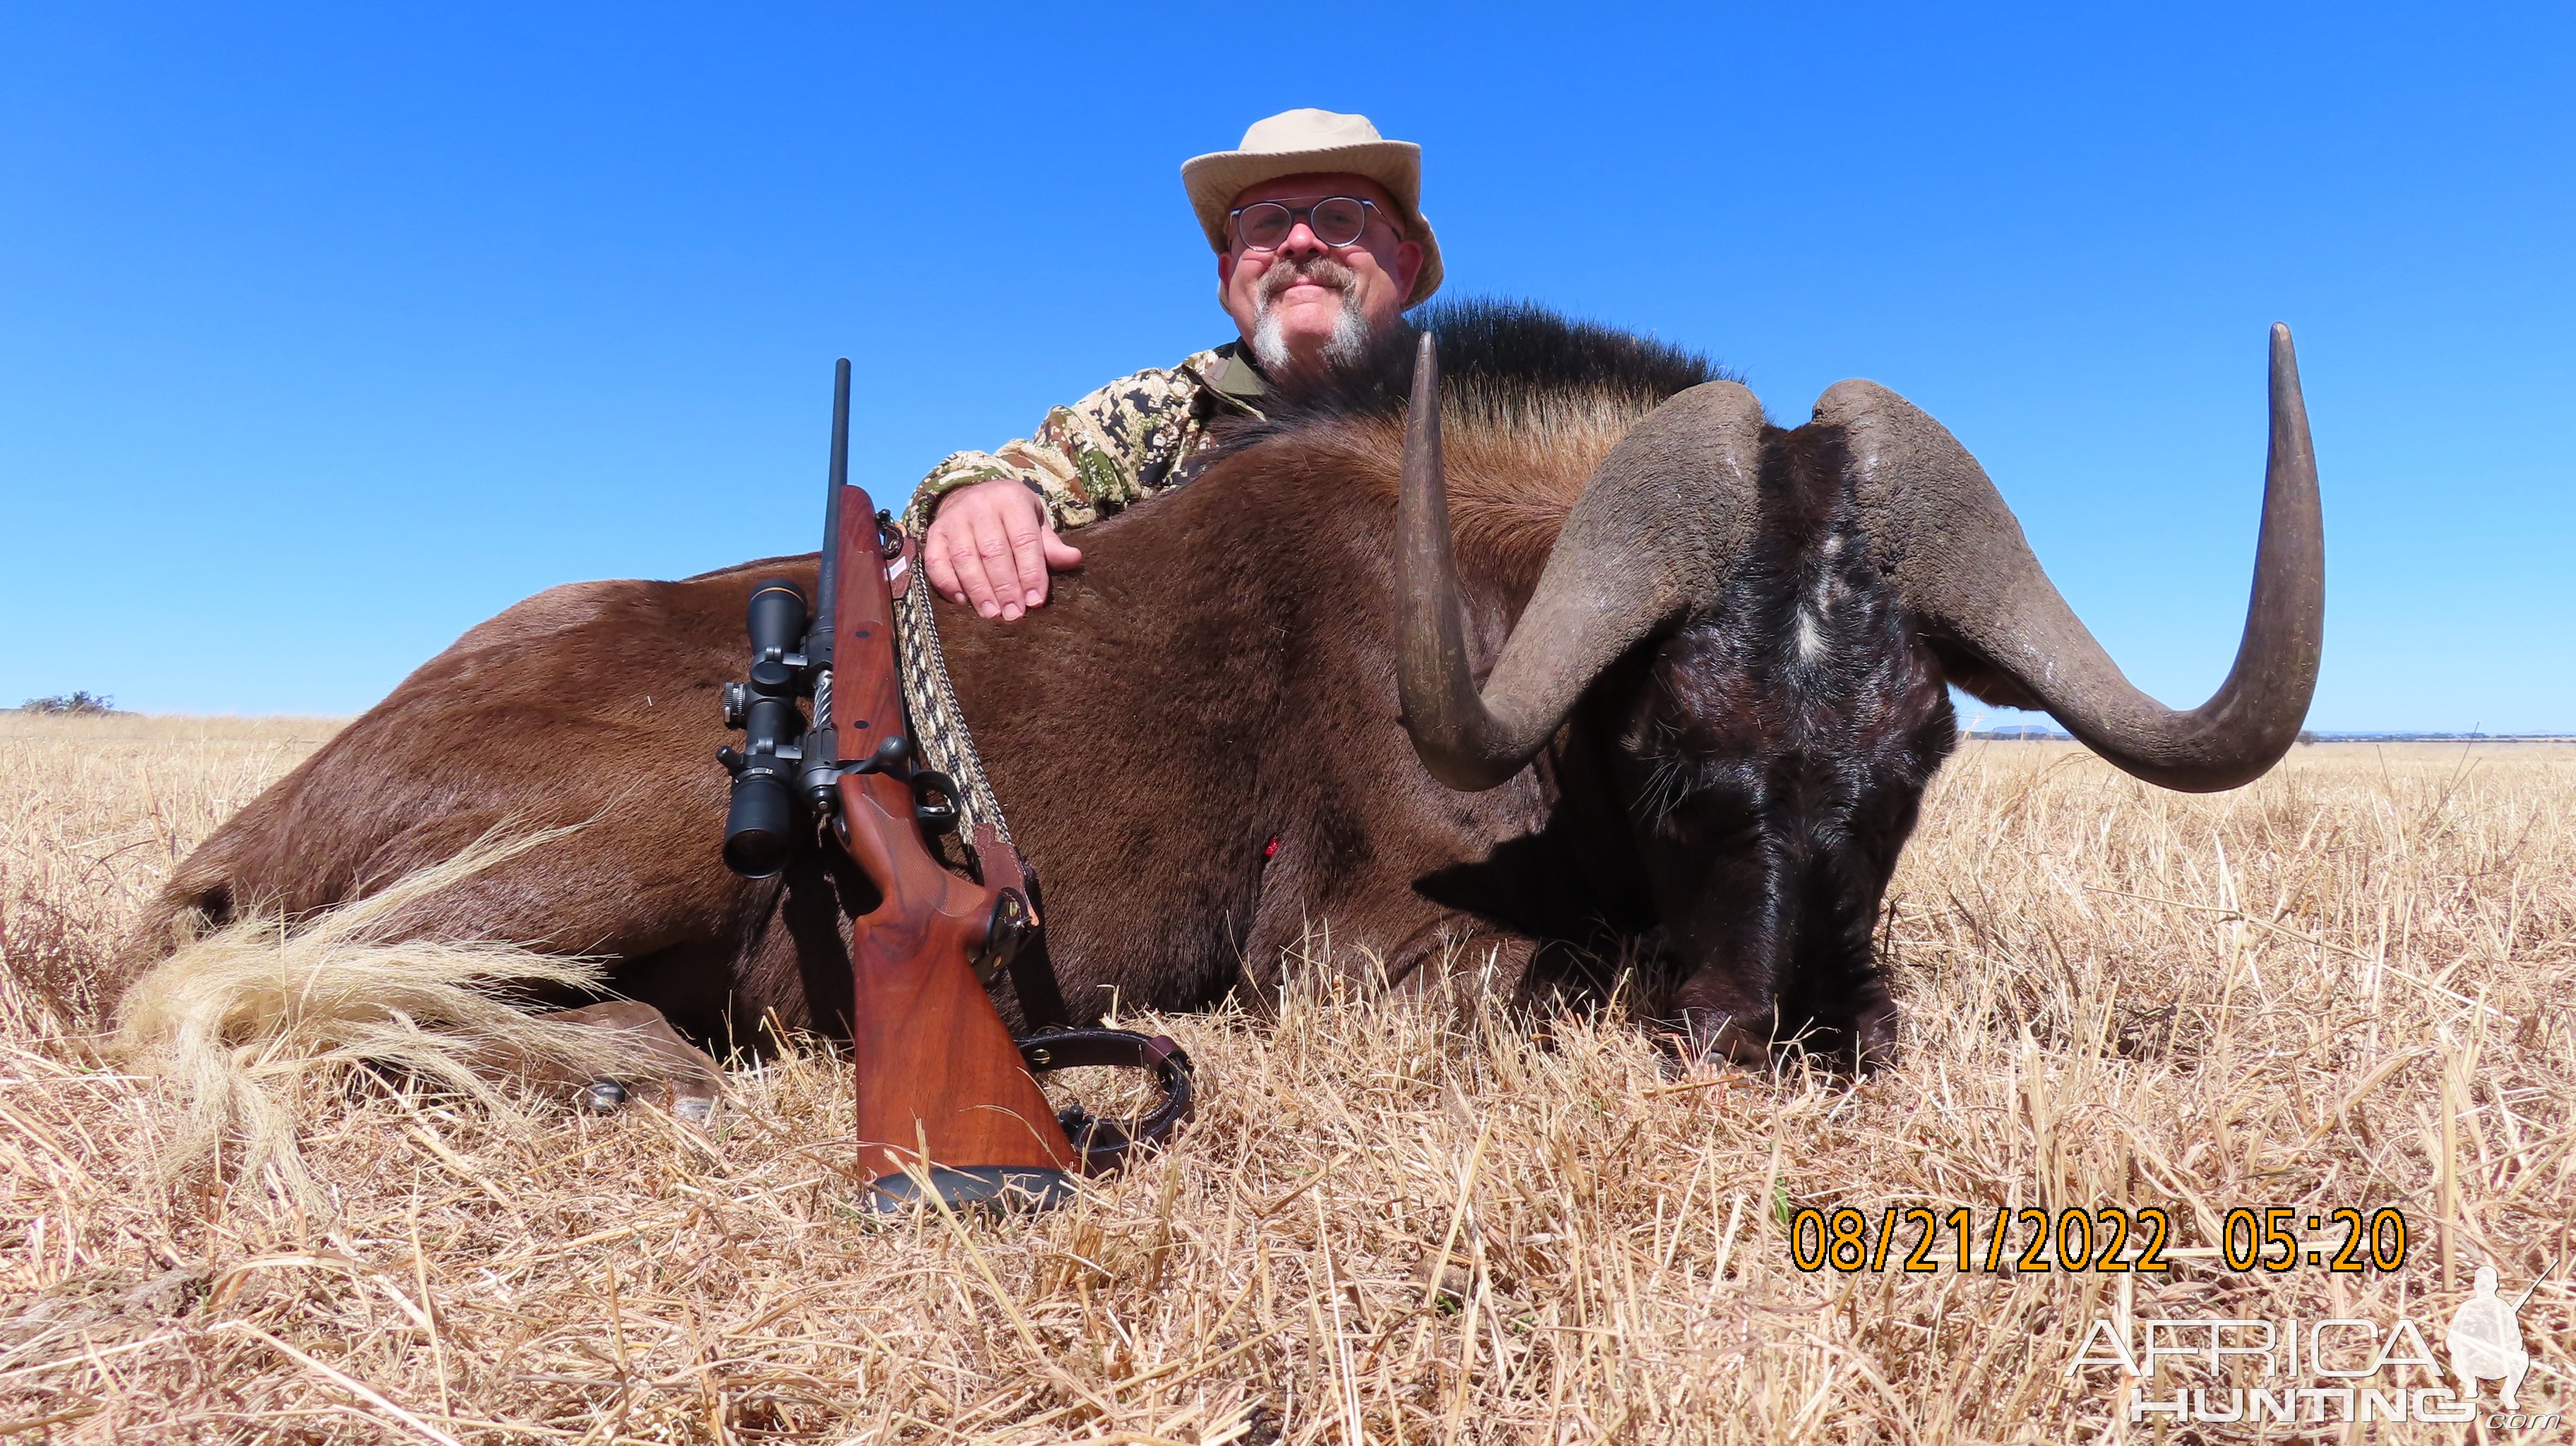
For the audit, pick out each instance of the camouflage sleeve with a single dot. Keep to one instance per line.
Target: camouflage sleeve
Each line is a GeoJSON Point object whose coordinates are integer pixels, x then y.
{"type": "Point", "coordinates": [965, 469]}
{"type": "Point", "coordinates": [1093, 458]}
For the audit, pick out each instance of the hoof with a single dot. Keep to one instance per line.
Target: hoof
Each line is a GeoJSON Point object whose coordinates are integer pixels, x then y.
{"type": "Point", "coordinates": [602, 1095]}
{"type": "Point", "coordinates": [696, 1109]}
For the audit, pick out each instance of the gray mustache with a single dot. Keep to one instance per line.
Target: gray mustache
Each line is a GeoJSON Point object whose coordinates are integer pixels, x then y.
{"type": "Point", "coordinates": [1321, 271]}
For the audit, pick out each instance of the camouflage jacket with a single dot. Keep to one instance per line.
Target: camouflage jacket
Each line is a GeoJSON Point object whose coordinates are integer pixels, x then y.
{"type": "Point", "coordinates": [1124, 442]}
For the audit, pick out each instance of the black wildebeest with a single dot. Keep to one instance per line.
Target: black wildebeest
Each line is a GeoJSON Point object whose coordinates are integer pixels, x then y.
{"type": "Point", "coordinates": [1713, 656]}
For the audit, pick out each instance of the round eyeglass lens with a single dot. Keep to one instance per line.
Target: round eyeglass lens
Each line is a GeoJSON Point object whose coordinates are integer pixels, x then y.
{"type": "Point", "coordinates": [1335, 220]}
{"type": "Point", "coordinates": [1338, 220]}
{"type": "Point", "coordinates": [1264, 224]}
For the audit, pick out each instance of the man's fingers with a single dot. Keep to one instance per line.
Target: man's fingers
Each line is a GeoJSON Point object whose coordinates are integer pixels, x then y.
{"type": "Point", "coordinates": [957, 557]}
{"type": "Point", "coordinates": [1027, 561]}
{"type": "Point", "coordinates": [979, 589]}
{"type": "Point", "coordinates": [994, 580]}
{"type": "Point", "coordinates": [943, 573]}
{"type": "Point", "coordinates": [1060, 554]}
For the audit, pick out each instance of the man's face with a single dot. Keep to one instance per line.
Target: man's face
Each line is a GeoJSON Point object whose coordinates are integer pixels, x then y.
{"type": "Point", "coordinates": [1303, 305]}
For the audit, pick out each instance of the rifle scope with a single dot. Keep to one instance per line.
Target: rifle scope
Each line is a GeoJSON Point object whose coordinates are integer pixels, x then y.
{"type": "Point", "coordinates": [761, 817]}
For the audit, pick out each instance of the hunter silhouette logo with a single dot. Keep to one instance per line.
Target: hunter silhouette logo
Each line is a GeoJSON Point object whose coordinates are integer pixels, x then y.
{"type": "Point", "coordinates": [2486, 1338]}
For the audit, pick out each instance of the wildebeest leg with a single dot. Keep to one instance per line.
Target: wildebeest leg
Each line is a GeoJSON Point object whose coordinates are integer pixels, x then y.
{"type": "Point", "coordinates": [672, 1072]}
{"type": "Point", "coordinates": [1451, 946]}
{"type": "Point", "coordinates": [1370, 924]}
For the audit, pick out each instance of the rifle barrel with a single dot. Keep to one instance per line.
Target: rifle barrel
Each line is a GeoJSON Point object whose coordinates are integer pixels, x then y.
{"type": "Point", "coordinates": [818, 643]}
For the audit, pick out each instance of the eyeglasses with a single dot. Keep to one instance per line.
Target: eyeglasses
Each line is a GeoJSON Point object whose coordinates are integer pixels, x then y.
{"type": "Point", "coordinates": [1335, 220]}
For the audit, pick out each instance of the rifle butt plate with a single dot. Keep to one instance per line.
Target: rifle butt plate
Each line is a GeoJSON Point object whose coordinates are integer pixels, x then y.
{"type": "Point", "coordinates": [998, 1189]}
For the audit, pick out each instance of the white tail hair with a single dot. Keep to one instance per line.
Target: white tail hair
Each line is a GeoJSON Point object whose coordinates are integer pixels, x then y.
{"type": "Point", "coordinates": [243, 1018]}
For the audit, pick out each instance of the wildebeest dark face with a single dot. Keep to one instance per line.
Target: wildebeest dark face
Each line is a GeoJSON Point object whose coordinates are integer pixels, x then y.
{"type": "Point", "coordinates": [1770, 762]}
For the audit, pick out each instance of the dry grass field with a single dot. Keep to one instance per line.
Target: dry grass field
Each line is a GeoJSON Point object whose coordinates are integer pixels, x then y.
{"type": "Point", "coordinates": [2347, 985]}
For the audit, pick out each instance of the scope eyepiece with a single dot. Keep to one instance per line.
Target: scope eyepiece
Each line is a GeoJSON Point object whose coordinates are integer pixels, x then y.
{"type": "Point", "coordinates": [776, 621]}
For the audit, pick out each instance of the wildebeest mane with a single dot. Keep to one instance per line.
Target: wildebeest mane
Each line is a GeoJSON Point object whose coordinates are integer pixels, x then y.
{"type": "Point", "coordinates": [1530, 402]}
{"type": "Point", "coordinates": [1497, 357]}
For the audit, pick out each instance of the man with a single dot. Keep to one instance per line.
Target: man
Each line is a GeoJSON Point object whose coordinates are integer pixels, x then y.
{"type": "Point", "coordinates": [1320, 245]}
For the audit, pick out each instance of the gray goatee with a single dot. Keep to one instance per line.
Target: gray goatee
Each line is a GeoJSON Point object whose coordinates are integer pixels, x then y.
{"type": "Point", "coordinates": [1350, 339]}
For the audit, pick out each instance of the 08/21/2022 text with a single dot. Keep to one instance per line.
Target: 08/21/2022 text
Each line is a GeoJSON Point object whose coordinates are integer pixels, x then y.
{"type": "Point", "coordinates": [2110, 1239]}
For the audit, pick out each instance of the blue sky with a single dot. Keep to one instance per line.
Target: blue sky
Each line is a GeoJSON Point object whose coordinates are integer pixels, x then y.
{"type": "Point", "coordinates": [326, 332]}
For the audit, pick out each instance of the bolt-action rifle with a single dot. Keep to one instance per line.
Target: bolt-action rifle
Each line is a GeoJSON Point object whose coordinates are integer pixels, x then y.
{"type": "Point", "coordinates": [946, 1097]}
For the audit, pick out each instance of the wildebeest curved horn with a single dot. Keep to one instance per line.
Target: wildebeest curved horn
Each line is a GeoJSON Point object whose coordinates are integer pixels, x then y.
{"type": "Point", "coordinates": [1957, 559]}
{"type": "Point", "coordinates": [1661, 523]}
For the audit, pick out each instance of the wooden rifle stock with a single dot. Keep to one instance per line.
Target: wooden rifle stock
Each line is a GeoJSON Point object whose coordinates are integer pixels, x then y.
{"type": "Point", "coordinates": [937, 1070]}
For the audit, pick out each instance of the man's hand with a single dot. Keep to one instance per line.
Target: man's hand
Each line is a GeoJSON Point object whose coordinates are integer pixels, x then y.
{"type": "Point", "coordinates": [993, 544]}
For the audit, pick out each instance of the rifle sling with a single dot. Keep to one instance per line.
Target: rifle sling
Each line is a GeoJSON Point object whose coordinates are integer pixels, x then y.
{"type": "Point", "coordinates": [1033, 969]}
{"type": "Point", "coordinates": [997, 864]}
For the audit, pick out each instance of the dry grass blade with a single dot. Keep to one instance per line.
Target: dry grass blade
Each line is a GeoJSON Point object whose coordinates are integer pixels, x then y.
{"type": "Point", "coordinates": [357, 1388]}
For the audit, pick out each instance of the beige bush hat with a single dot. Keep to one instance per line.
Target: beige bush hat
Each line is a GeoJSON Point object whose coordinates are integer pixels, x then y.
{"type": "Point", "coordinates": [1296, 142]}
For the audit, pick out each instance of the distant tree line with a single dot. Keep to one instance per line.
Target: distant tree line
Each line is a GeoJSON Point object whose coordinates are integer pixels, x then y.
{"type": "Point", "coordinates": [81, 702]}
